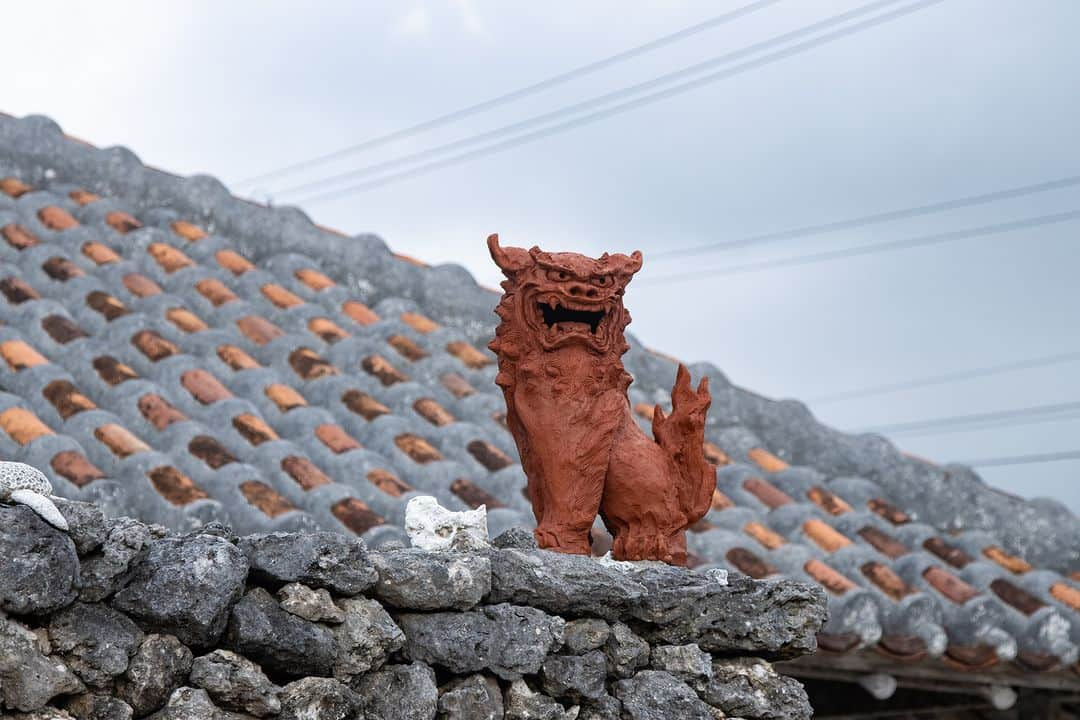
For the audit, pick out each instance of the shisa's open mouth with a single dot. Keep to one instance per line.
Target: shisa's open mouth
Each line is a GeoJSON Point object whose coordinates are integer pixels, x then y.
{"type": "Point", "coordinates": [561, 321]}
{"type": "Point", "coordinates": [563, 318]}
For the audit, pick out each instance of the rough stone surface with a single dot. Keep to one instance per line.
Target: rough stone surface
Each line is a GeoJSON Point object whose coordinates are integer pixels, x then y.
{"type": "Point", "coordinates": [39, 567]}
{"type": "Point", "coordinates": [320, 560]}
{"type": "Point", "coordinates": [28, 679]}
{"type": "Point", "coordinates": [105, 570]}
{"type": "Point", "coordinates": [92, 706]}
{"type": "Point", "coordinates": [508, 640]}
{"type": "Point", "coordinates": [574, 677]}
{"type": "Point", "coordinates": [278, 641]}
{"type": "Point", "coordinates": [159, 666]}
{"type": "Point", "coordinates": [432, 527]}
{"type": "Point", "coordinates": [476, 697]}
{"type": "Point", "coordinates": [87, 526]}
{"type": "Point", "coordinates": [185, 587]}
{"type": "Point", "coordinates": [235, 683]}
{"type": "Point", "coordinates": [400, 692]}
{"type": "Point", "coordinates": [581, 636]}
{"type": "Point", "coordinates": [365, 639]}
{"type": "Point", "coordinates": [524, 703]}
{"type": "Point", "coordinates": [515, 538]}
{"type": "Point", "coordinates": [420, 580]}
{"type": "Point", "coordinates": [95, 641]}
{"type": "Point", "coordinates": [751, 688]}
{"type": "Point", "coordinates": [309, 603]}
{"type": "Point", "coordinates": [656, 695]}
{"type": "Point", "coordinates": [563, 584]}
{"type": "Point", "coordinates": [350, 653]}
{"type": "Point", "coordinates": [625, 651]}
{"type": "Point", "coordinates": [603, 708]}
{"type": "Point", "coordinates": [189, 703]}
{"type": "Point", "coordinates": [315, 698]}
{"type": "Point", "coordinates": [686, 662]}
{"type": "Point", "coordinates": [681, 608]}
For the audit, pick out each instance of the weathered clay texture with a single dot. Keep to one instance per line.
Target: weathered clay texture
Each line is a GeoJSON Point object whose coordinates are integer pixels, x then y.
{"type": "Point", "coordinates": [560, 345]}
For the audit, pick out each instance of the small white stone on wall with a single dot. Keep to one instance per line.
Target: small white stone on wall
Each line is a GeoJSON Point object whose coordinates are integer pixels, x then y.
{"type": "Point", "coordinates": [432, 527]}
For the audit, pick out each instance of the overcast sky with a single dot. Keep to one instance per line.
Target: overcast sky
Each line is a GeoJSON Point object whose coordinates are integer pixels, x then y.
{"type": "Point", "coordinates": [961, 98]}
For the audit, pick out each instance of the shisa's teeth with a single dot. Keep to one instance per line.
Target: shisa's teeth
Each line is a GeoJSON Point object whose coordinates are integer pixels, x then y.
{"type": "Point", "coordinates": [551, 302]}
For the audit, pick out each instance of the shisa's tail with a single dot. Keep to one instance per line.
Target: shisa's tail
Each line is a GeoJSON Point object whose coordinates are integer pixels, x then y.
{"type": "Point", "coordinates": [682, 435]}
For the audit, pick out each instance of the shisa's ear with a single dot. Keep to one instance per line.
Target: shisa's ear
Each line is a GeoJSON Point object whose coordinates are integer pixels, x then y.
{"type": "Point", "coordinates": [625, 265]}
{"type": "Point", "coordinates": [509, 260]}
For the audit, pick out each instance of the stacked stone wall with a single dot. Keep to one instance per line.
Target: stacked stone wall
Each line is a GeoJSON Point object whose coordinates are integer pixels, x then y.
{"type": "Point", "coordinates": [117, 619]}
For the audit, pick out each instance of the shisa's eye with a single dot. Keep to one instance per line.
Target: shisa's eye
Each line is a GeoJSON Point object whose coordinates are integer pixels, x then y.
{"type": "Point", "coordinates": [558, 275]}
{"type": "Point", "coordinates": [603, 280]}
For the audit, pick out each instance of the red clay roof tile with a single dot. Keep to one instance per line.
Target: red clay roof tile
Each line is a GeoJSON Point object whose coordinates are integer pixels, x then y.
{"type": "Point", "coordinates": [304, 472]}
{"type": "Point", "coordinates": [355, 515]}
{"type": "Point", "coordinates": [23, 426]}
{"type": "Point", "coordinates": [158, 412]}
{"type": "Point", "coordinates": [363, 404]}
{"type": "Point", "coordinates": [359, 313]}
{"type": "Point", "coordinates": [188, 231]}
{"type": "Point", "coordinates": [417, 448]}
{"type": "Point", "coordinates": [112, 371]}
{"type": "Point", "coordinates": [67, 400]}
{"type": "Point", "coordinates": [336, 439]}
{"type": "Point", "coordinates": [388, 483]}
{"type": "Point", "coordinates": [381, 368]}
{"type": "Point", "coordinates": [122, 222]}
{"type": "Point", "coordinates": [56, 218]}
{"type": "Point", "coordinates": [19, 237]}
{"type": "Point", "coordinates": [407, 348]}
{"type": "Point", "coordinates": [253, 429]}
{"type": "Point", "coordinates": [433, 412]}
{"type": "Point", "coordinates": [766, 492]}
{"type": "Point", "coordinates": [176, 487]}
{"type": "Point", "coordinates": [265, 498]}
{"type": "Point", "coordinates": [488, 455]}
{"type": "Point", "coordinates": [19, 356]}
{"type": "Point", "coordinates": [141, 286]}
{"type": "Point", "coordinates": [314, 279]}
{"type": "Point", "coordinates": [75, 467]}
{"type": "Point", "coordinates": [204, 387]}
{"type": "Point", "coordinates": [285, 397]}
{"type": "Point", "coordinates": [473, 495]}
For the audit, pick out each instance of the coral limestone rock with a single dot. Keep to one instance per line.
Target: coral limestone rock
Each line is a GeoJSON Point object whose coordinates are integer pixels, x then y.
{"type": "Point", "coordinates": [26, 485]}
{"type": "Point", "coordinates": [432, 527]}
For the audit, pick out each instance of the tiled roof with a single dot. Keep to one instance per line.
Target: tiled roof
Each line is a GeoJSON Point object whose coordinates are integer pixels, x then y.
{"type": "Point", "coordinates": [176, 354]}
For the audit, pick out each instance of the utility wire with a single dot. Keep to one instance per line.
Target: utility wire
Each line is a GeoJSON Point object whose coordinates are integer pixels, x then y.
{"type": "Point", "coordinates": [518, 94]}
{"type": "Point", "coordinates": [625, 106]}
{"type": "Point", "coordinates": [1023, 459]}
{"type": "Point", "coordinates": [579, 107]}
{"type": "Point", "coordinates": [946, 378]}
{"type": "Point", "coordinates": [934, 239]}
{"type": "Point", "coordinates": [875, 218]}
{"type": "Point", "coordinates": [1001, 417]}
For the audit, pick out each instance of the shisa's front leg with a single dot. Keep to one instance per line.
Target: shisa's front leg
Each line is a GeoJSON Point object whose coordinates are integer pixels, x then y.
{"type": "Point", "coordinates": [566, 456]}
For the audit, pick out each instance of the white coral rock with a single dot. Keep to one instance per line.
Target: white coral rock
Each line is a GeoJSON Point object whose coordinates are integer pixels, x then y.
{"type": "Point", "coordinates": [26, 485]}
{"type": "Point", "coordinates": [432, 527]}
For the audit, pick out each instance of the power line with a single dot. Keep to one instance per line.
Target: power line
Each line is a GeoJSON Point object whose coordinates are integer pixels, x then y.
{"type": "Point", "coordinates": [518, 94]}
{"type": "Point", "coordinates": [946, 378]}
{"type": "Point", "coordinates": [1023, 459]}
{"type": "Point", "coordinates": [875, 218]}
{"type": "Point", "coordinates": [582, 106]}
{"type": "Point", "coordinates": [625, 106]}
{"type": "Point", "coordinates": [827, 256]}
{"type": "Point", "coordinates": [997, 418]}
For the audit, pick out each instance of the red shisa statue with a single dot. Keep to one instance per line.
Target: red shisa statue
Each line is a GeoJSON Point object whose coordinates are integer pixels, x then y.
{"type": "Point", "coordinates": [560, 345]}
